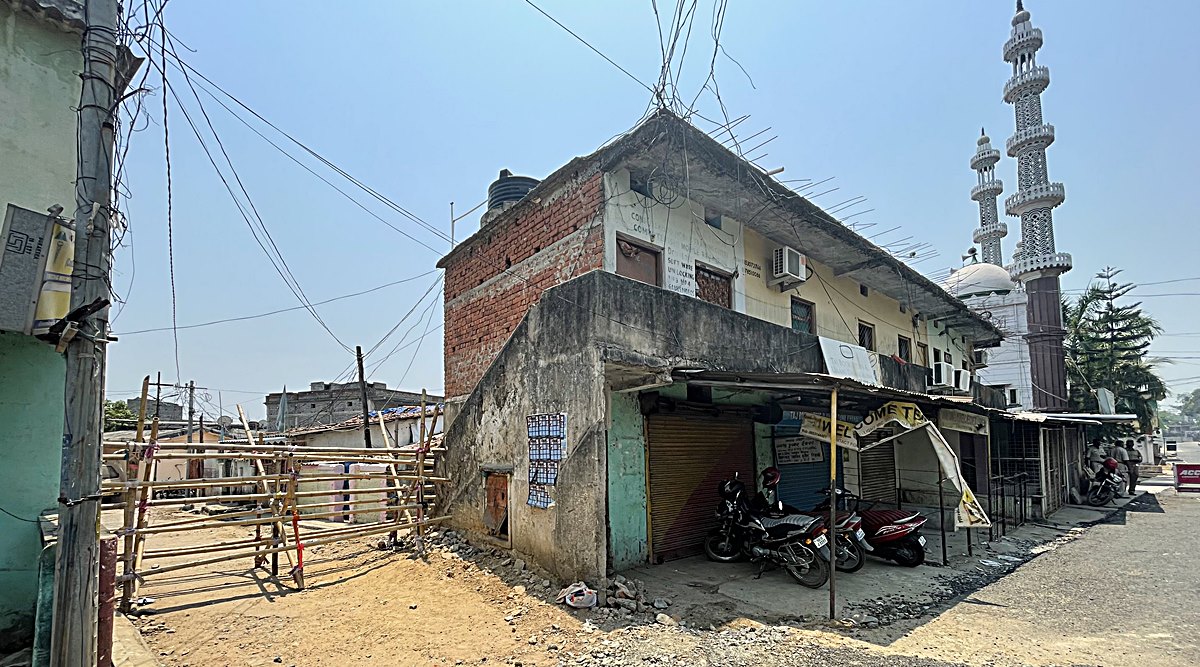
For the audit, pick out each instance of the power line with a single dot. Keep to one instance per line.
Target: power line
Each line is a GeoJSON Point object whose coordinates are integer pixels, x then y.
{"type": "Point", "coordinates": [281, 310]}
{"type": "Point", "coordinates": [587, 44]}
{"type": "Point", "coordinates": [170, 221]}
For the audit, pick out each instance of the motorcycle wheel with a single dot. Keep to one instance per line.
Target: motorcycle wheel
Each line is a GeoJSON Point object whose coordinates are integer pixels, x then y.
{"type": "Point", "coordinates": [1099, 496]}
{"type": "Point", "coordinates": [909, 554]}
{"type": "Point", "coordinates": [813, 576]}
{"type": "Point", "coordinates": [721, 548]}
{"type": "Point", "coordinates": [851, 557]}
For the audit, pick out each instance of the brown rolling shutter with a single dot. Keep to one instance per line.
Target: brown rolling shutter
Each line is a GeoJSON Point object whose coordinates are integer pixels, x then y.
{"type": "Point", "coordinates": [689, 456]}
{"type": "Point", "coordinates": [877, 467]}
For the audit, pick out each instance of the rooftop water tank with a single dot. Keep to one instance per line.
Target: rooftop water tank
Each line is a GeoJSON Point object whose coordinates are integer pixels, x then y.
{"type": "Point", "coordinates": [509, 188]}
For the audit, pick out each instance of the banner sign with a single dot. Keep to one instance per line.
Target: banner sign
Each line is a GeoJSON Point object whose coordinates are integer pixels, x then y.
{"type": "Point", "coordinates": [907, 415]}
{"type": "Point", "coordinates": [965, 422]}
{"type": "Point", "coordinates": [845, 360]}
{"type": "Point", "coordinates": [1187, 476]}
{"type": "Point", "coordinates": [798, 449]}
{"type": "Point", "coordinates": [817, 428]}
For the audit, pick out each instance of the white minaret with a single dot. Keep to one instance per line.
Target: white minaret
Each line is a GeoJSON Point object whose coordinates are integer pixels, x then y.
{"type": "Point", "coordinates": [1036, 264]}
{"type": "Point", "coordinates": [991, 230]}
{"type": "Point", "coordinates": [1036, 196]}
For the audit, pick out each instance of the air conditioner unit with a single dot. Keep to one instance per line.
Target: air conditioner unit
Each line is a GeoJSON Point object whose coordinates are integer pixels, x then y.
{"type": "Point", "coordinates": [943, 374]}
{"type": "Point", "coordinates": [962, 380]}
{"type": "Point", "coordinates": [788, 266]}
{"type": "Point", "coordinates": [981, 358]}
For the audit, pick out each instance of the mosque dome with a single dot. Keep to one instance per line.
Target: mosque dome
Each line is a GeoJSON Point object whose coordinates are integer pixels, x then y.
{"type": "Point", "coordinates": [979, 279]}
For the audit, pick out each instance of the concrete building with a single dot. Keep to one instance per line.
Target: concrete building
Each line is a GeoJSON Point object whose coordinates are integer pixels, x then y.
{"type": "Point", "coordinates": [403, 426]}
{"type": "Point", "coordinates": [660, 314]}
{"type": "Point", "coordinates": [166, 410]}
{"type": "Point", "coordinates": [40, 59]}
{"type": "Point", "coordinates": [330, 403]}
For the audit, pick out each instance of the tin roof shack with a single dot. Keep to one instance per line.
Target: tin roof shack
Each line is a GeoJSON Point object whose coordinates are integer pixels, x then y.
{"type": "Point", "coordinates": [660, 252]}
{"type": "Point", "coordinates": [403, 425]}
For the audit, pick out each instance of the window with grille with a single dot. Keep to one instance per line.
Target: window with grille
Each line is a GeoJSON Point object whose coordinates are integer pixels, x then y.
{"type": "Point", "coordinates": [866, 335]}
{"type": "Point", "coordinates": [904, 348]}
{"type": "Point", "coordinates": [802, 316]}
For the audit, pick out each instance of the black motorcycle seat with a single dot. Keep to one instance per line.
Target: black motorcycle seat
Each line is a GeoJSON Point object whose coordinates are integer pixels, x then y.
{"type": "Point", "coordinates": [787, 524]}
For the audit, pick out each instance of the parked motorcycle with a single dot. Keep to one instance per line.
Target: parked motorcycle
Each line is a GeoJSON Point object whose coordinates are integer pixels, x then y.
{"type": "Point", "coordinates": [891, 534]}
{"type": "Point", "coordinates": [795, 542]}
{"type": "Point", "coordinates": [1105, 485]}
{"type": "Point", "coordinates": [851, 541]}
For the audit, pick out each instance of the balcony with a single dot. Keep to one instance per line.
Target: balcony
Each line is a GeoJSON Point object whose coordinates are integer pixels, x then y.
{"type": "Point", "coordinates": [1048, 264]}
{"type": "Point", "coordinates": [1046, 195]}
{"type": "Point", "coordinates": [985, 159]}
{"type": "Point", "coordinates": [1029, 40]}
{"type": "Point", "coordinates": [999, 229]}
{"type": "Point", "coordinates": [1033, 81]}
{"type": "Point", "coordinates": [987, 189]}
{"type": "Point", "coordinates": [1043, 134]}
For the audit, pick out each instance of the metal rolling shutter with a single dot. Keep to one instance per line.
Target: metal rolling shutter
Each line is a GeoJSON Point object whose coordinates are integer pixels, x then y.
{"type": "Point", "coordinates": [877, 467]}
{"type": "Point", "coordinates": [802, 483]}
{"type": "Point", "coordinates": [688, 457]}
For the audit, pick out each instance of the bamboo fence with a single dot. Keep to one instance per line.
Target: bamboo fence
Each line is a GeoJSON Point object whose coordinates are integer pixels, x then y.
{"type": "Point", "coordinates": [409, 487]}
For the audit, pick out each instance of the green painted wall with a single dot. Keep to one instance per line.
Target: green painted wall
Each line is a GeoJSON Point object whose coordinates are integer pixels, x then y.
{"type": "Point", "coordinates": [626, 482]}
{"type": "Point", "coordinates": [39, 86]}
{"type": "Point", "coordinates": [31, 431]}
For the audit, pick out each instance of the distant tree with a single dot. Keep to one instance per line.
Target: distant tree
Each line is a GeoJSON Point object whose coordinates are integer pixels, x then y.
{"type": "Point", "coordinates": [1169, 417]}
{"type": "Point", "coordinates": [1189, 406]}
{"type": "Point", "coordinates": [114, 410]}
{"type": "Point", "coordinates": [1107, 346]}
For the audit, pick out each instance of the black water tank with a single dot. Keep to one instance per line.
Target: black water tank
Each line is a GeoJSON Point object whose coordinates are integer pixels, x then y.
{"type": "Point", "coordinates": [509, 188]}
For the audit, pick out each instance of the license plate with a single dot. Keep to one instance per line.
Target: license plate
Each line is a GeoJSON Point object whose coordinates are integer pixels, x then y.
{"type": "Point", "coordinates": [820, 541]}
{"type": "Point", "coordinates": [921, 540]}
{"type": "Point", "coordinates": [860, 534]}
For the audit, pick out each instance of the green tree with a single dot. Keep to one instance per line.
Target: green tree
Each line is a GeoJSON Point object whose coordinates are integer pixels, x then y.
{"type": "Point", "coordinates": [1107, 346]}
{"type": "Point", "coordinates": [1189, 406]}
{"type": "Point", "coordinates": [116, 410]}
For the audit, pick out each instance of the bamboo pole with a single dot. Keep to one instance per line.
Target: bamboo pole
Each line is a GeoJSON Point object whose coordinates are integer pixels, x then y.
{"type": "Point", "coordinates": [261, 448]}
{"type": "Point", "coordinates": [277, 528]}
{"type": "Point", "coordinates": [393, 498]}
{"type": "Point", "coordinates": [200, 483]}
{"type": "Point", "coordinates": [139, 542]}
{"type": "Point", "coordinates": [402, 457]}
{"type": "Point", "coordinates": [298, 571]}
{"type": "Point", "coordinates": [130, 504]}
{"type": "Point", "coordinates": [245, 497]}
{"type": "Point", "coordinates": [328, 540]}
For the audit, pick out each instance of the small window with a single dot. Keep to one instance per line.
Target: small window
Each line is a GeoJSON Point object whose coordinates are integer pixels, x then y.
{"type": "Point", "coordinates": [350, 404]}
{"type": "Point", "coordinates": [1012, 397]}
{"type": "Point", "coordinates": [904, 348]}
{"type": "Point", "coordinates": [638, 262]}
{"type": "Point", "coordinates": [922, 354]}
{"type": "Point", "coordinates": [862, 289]}
{"type": "Point", "coordinates": [964, 365]}
{"type": "Point", "coordinates": [949, 359]}
{"type": "Point", "coordinates": [313, 405]}
{"type": "Point", "coordinates": [802, 316]}
{"type": "Point", "coordinates": [903, 308]}
{"type": "Point", "coordinates": [714, 287]}
{"type": "Point", "coordinates": [937, 356]}
{"type": "Point", "coordinates": [866, 335]}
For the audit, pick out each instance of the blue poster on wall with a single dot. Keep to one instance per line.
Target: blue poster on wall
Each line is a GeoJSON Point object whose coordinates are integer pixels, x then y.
{"type": "Point", "coordinates": [547, 435]}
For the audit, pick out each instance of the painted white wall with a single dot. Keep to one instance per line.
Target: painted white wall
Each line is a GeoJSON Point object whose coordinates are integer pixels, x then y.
{"type": "Point", "coordinates": [678, 231]}
{"type": "Point", "coordinates": [1009, 364]}
{"type": "Point", "coordinates": [401, 431]}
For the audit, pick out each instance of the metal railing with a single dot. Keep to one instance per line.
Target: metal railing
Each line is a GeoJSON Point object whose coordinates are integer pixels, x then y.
{"type": "Point", "coordinates": [1007, 503]}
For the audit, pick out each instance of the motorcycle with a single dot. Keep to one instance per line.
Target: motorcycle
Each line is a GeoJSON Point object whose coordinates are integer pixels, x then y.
{"type": "Point", "coordinates": [851, 544]}
{"type": "Point", "coordinates": [795, 542]}
{"type": "Point", "coordinates": [891, 534]}
{"type": "Point", "coordinates": [1104, 486]}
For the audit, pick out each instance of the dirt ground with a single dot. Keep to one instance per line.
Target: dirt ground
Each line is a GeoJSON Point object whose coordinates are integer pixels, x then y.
{"type": "Point", "coordinates": [474, 605]}
{"type": "Point", "coordinates": [360, 606]}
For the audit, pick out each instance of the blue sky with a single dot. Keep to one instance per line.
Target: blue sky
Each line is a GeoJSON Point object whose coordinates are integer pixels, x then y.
{"type": "Point", "coordinates": [426, 102]}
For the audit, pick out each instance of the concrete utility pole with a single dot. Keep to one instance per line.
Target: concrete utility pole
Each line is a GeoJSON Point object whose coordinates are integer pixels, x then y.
{"type": "Point", "coordinates": [191, 407]}
{"type": "Point", "coordinates": [73, 632]}
{"type": "Point", "coordinates": [362, 387]}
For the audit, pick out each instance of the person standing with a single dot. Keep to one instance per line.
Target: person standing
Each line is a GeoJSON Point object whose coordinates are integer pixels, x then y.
{"type": "Point", "coordinates": [1122, 457]}
{"type": "Point", "coordinates": [1095, 456]}
{"type": "Point", "coordinates": [1135, 457]}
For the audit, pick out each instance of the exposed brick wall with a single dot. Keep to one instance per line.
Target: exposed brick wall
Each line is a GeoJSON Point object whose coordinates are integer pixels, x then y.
{"type": "Point", "coordinates": [491, 283]}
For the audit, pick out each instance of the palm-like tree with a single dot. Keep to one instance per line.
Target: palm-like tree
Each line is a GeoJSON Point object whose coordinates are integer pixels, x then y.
{"type": "Point", "coordinates": [1107, 346]}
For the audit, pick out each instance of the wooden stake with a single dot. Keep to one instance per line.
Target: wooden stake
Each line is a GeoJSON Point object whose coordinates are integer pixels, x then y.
{"type": "Point", "coordinates": [128, 516]}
